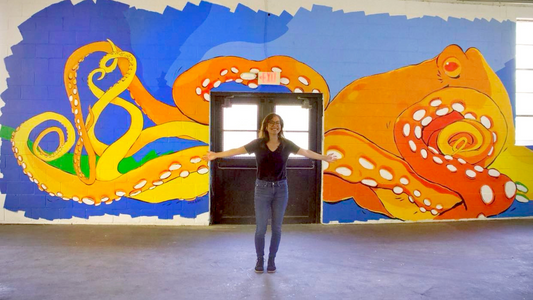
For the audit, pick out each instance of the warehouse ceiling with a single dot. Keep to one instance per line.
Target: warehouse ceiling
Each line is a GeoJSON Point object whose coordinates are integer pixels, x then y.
{"type": "Point", "coordinates": [491, 1]}
{"type": "Point", "coordinates": [500, 1]}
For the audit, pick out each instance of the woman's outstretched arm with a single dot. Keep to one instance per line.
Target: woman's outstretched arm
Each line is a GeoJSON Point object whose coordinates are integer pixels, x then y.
{"type": "Point", "coordinates": [313, 155]}
{"type": "Point", "coordinates": [214, 155]}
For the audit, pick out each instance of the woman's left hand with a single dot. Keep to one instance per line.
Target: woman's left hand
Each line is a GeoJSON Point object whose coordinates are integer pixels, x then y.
{"type": "Point", "coordinates": [331, 158]}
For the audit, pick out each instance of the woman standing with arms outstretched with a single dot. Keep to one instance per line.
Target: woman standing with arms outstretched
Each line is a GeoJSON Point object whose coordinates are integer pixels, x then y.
{"type": "Point", "coordinates": [272, 151]}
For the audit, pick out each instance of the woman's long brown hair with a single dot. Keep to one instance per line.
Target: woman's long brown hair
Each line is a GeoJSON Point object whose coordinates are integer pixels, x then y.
{"type": "Point", "coordinates": [263, 133]}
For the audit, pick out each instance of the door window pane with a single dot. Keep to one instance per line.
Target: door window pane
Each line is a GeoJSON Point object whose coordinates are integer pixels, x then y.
{"type": "Point", "coordinates": [237, 139]}
{"type": "Point", "coordinates": [524, 134]}
{"type": "Point", "coordinates": [524, 104]}
{"type": "Point", "coordinates": [240, 117]}
{"type": "Point", "coordinates": [294, 117]}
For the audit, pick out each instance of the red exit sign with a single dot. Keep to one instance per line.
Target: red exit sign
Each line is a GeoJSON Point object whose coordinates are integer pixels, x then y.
{"type": "Point", "coordinates": [272, 78]}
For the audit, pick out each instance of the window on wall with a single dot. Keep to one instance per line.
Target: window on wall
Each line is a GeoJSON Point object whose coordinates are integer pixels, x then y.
{"type": "Point", "coordinates": [524, 82]}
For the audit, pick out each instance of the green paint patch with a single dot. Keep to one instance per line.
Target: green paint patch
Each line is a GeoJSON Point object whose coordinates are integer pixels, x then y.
{"type": "Point", "coordinates": [6, 132]}
{"type": "Point", "coordinates": [129, 163]}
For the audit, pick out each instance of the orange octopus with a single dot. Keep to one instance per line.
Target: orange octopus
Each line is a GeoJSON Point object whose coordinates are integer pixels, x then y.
{"type": "Point", "coordinates": [417, 142]}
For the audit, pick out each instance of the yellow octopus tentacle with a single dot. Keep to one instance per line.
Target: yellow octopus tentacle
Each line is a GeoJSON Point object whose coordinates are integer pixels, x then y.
{"type": "Point", "coordinates": [60, 148]}
{"type": "Point", "coordinates": [71, 86]}
{"type": "Point", "coordinates": [63, 146]}
{"type": "Point", "coordinates": [107, 167]}
{"type": "Point", "coordinates": [104, 98]}
{"type": "Point", "coordinates": [70, 75]}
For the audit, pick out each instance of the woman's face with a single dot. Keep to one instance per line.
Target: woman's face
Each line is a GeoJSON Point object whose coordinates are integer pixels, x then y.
{"type": "Point", "coordinates": [274, 126]}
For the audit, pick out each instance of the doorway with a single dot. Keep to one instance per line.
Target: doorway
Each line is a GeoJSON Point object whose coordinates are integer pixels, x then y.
{"type": "Point", "coordinates": [235, 121]}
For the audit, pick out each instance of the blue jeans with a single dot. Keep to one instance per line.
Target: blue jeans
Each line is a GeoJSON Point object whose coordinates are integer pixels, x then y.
{"type": "Point", "coordinates": [270, 201]}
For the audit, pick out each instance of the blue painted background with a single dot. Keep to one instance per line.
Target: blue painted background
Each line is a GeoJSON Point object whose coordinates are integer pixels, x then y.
{"type": "Point", "coordinates": [341, 46]}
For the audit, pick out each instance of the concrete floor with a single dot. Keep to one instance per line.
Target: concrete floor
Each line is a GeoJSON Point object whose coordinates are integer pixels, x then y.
{"type": "Point", "coordinates": [455, 260]}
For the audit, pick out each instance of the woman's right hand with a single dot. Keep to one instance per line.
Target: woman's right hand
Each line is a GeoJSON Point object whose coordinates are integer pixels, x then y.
{"type": "Point", "coordinates": [209, 156]}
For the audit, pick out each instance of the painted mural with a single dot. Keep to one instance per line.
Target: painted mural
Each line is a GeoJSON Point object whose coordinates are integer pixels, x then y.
{"type": "Point", "coordinates": [114, 104]}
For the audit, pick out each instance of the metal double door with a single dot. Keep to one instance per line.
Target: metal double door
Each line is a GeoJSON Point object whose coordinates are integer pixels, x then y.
{"type": "Point", "coordinates": [235, 121]}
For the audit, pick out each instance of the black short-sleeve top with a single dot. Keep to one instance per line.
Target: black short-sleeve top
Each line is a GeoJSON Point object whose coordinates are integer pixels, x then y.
{"type": "Point", "coordinates": [271, 165]}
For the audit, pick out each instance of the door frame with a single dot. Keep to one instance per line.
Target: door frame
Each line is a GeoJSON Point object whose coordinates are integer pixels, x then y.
{"type": "Point", "coordinates": [215, 128]}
